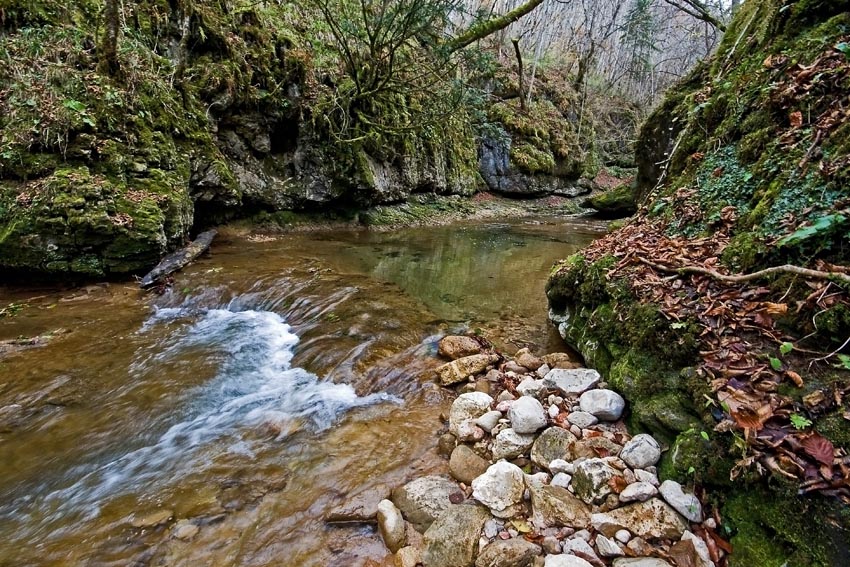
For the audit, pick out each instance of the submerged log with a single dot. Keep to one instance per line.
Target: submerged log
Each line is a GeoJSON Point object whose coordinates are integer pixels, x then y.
{"type": "Point", "coordinates": [177, 260]}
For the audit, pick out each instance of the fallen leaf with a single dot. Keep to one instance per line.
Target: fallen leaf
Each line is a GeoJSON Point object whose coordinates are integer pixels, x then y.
{"type": "Point", "coordinates": [819, 447]}
{"type": "Point", "coordinates": [796, 119]}
{"type": "Point", "coordinates": [794, 377]}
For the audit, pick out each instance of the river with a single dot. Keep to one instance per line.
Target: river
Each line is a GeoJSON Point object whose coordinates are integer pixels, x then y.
{"type": "Point", "coordinates": [280, 379]}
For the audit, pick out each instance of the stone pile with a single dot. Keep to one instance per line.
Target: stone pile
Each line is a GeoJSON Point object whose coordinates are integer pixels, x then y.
{"type": "Point", "coordinates": [544, 474]}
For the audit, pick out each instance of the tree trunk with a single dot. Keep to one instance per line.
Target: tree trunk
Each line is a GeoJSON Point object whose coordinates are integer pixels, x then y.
{"type": "Point", "coordinates": [109, 44]}
{"type": "Point", "coordinates": [515, 41]}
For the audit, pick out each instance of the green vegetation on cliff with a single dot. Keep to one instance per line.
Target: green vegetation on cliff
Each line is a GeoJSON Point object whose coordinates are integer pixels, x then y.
{"type": "Point", "coordinates": [744, 166]}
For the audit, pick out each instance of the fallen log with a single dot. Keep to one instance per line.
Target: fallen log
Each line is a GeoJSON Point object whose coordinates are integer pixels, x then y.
{"type": "Point", "coordinates": [177, 260]}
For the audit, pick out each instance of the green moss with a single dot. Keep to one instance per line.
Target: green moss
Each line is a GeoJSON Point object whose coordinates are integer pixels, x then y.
{"type": "Point", "coordinates": [532, 160]}
{"type": "Point", "coordinates": [614, 203]}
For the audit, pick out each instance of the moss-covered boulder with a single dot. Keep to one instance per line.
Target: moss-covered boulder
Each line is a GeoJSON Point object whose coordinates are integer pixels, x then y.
{"type": "Point", "coordinates": [615, 203]}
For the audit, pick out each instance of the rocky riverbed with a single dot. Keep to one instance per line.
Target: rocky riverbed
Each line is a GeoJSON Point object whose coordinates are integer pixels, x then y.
{"type": "Point", "coordinates": [543, 472]}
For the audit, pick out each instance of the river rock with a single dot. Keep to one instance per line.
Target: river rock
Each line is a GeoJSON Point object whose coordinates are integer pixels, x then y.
{"type": "Point", "coordinates": [578, 545]}
{"type": "Point", "coordinates": [591, 480]}
{"type": "Point", "coordinates": [560, 360]}
{"type": "Point", "coordinates": [641, 451]}
{"type": "Point", "coordinates": [468, 432]}
{"type": "Point", "coordinates": [556, 506]}
{"type": "Point", "coordinates": [422, 500]}
{"type": "Point", "coordinates": [511, 366]}
{"type": "Point", "coordinates": [561, 479]}
{"type": "Point", "coordinates": [564, 560]}
{"type": "Point", "coordinates": [582, 419]}
{"type": "Point", "coordinates": [531, 387]}
{"type": "Point", "coordinates": [554, 443]}
{"type": "Point", "coordinates": [458, 370]}
{"type": "Point", "coordinates": [409, 556]}
{"type": "Point", "coordinates": [606, 405]}
{"type": "Point", "coordinates": [153, 519]}
{"type": "Point", "coordinates": [489, 420]}
{"type": "Point", "coordinates": [452, 539]}
{"type": "Point", "coordinates": [459, 346]}
{"type": "Point", "coordinates": [593, 447]}
{"type": "Point", "coordinates": [446, 444]}
{"type": "Point", "coordinates": [561, 466]}
{"type": "Point", "coordinates": [514, 552]}
{"type": "Point", "coordinates": [469, 406]}
{"type": "Point", "coordinates": [527, 415]}
{"type": "Point", "coordinates": [391, 525]}
{"type": "Point", "coordinates": [524, 358]}
{"type": "Point", "coordinates": [575, 381]}
{"type": "Point", "coordinates": [653, 519]}
{"type": "Point", "coordinates": [640, 562]}
{"type": "Point", "coordinates": [687, 505]}
{"type": "Point", "coordinates": [700, 557]}
{"type": "Point", "coordinates": [509, 444]}
{"type": "Point", "coordinates": [185, 530]}
{"type": "Point", "coordinates": [646, 476]}
{"type": "Point", "coordinates": [608, 547]}
{"type": "Point", "coordinates": [638, 492]}
{"type": "Point", "coordinates": [465, 464]}
{"type": "Point", "coordinates": [500, 487]}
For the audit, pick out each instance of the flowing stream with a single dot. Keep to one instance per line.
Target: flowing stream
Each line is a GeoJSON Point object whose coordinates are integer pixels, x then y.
{"type": "Point", "coordinates": [281, 379]}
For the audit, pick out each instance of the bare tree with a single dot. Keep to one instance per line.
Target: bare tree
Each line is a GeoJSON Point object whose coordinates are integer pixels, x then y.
{"type": "Point", "coordinates": [109, 43]}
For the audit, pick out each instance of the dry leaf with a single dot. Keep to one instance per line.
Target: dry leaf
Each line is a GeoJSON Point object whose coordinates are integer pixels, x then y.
{"type": "Point", "coordinates": [794, 377]}
{"type": "Point", "coordinates": [819, 447]}
{"type": "Point", "coordinates": [796, 119]}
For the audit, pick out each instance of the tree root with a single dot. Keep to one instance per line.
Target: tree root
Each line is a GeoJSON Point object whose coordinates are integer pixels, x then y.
{"type": "Point", "coordinates": [741, 278]}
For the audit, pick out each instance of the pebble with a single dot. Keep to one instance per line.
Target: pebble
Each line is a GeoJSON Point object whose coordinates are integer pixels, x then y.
{"type": "Point", "coordinates": [565, 561]}
{"type": "Point", "coordinates": [505, 396]}
{"type": "Point", "coordinates": [530, 387]}
{"type": "Point", "coordinates": [623, 536]}
{"type": "Point", "coordinates": [500, 487]}
{"type": "Point", "coordinates": [646, 476]}
{"type": "Point", "coordinates": [527, 415]}
{"type": "Point", "coordinates": [551, 544]}
{"type": "Point", "coordinates": [492, 527]}
{"type": "Point", "coordinates": [509, 444]}
{"type": "Point", "coordinates": [561, 466]}
{"type": "Point", "coordinates": [504, 406]}
{"type": "Point", "coordinates": [554, 411]}
{"type": "Point", "coordinates": [608, 547]}
{"type": "Point", "coordinates": [638, 492]}
{"type": "Point", "coordinates": [186, 530]}
{"type": "Point", "coordinates": [641, 451]}
{"type": "Point", "coordinates": [561, 479]}
{"type": "Point", "coordinates": [582, 419]}
{"type": "Point", "coordinates": [489, 420]}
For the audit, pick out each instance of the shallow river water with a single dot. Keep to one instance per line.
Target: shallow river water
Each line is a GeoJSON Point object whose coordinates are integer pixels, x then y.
{"type": "Point", "coordinates": [280, 380]}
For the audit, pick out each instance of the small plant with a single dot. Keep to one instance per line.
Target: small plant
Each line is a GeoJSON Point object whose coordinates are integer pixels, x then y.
{"type": "Point", "coordinates": [843, 362]}
{"type": "Point", "coordinates": [800, 422]}
{"type": "Point", "coordinates": [785, 348]}
{"type": "Point", "coordinates": [12, 309]}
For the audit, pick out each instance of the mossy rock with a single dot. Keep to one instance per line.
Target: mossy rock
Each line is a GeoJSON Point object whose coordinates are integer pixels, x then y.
{"type": "Point", "coordinates": [614, 203]}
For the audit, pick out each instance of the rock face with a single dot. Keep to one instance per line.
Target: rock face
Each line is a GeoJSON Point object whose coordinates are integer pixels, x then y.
{"type": "Point", "coordinates": [452, 540]}
{"type": "Point", "coordinates": [652, 519]}
{"type": "Point", "coordinates": [500, 487]}
{"type": "Point", "coordinates": [459, 370]}
{"type": "Point", "coordinates": [527, 415]}
{"type": "Point", "coordinates": [510, 553]}
{"type": "Point", "coordinates": [424, 499]}
{"type": "Point", "coordinates": [458, 346]}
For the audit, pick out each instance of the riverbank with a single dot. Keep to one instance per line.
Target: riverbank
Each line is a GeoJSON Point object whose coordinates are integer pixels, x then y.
{"type": "Point", "coordinates": [543, 472]}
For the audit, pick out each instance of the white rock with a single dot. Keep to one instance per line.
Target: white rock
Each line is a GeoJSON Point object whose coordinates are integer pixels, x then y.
{"type": "Point", "coordinates": [608, 547]}
{"type": "Point", "coordinates": [579, 543]}
{"type": "Point", "coordinates": [687, 505]}
{"type": "Point", "coordinates": [492, 528]}
{"type": "Point", "coordinates": [500, 487]}
{"type": "Point", "coordinates": [467, 431]}
{"type": "Point", "coordinates": [638, 492]}
{"type": "Point", "coordinates": [646, 476]}
{"type": "Point", "coordinates": [489, 420]}
{"type": "Point", "coordinates": [530, 387]}
{"type": "Point", "coordinates": [561, 479]}
{"type": "Point", "coordinates": [641, 451]}
{"type": "Point", "coordinates": [623, 536]}
{"type": "Point", "coordinates": [652, 519]}
{"type": "Point", "coordinates": [505, 396]}
{"type": "Point", "coordinates": [509, 444]}
{"type": "Point", "coordinates": [575, 381]}
{"type": "Point", "coordinates": [471, 405]}
{"type": "Point", "coordinates": [565, 561]}
{"type": "Point", "coordinates": [543, 371]}
{"type": "Point", "coordinates": [582, 419]}
{"type": "Point", "coordinates": [560, 466]}
{"type": "Point", "coordinates": [640, 562]}
{"type": "Point", "coordinates": [700, 547]}
{"type": "Point", "coordinates": [554, 411]}
{"type": "Point", "coordinates": [504, 405]}
{"type": "Point", "coordinates": [606, 405]}
{"type": "Point", "coordinates": [527, 415]}
{"type": "Point", "coordinates": [391, 525]}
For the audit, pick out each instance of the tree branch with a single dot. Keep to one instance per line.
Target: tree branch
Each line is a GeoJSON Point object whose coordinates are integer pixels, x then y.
{"type": "Point", "coordinates": [740, 278]}
{"type": "Point", "coordinates": [484, 29]}
{"type": "Point", "coordinates": [698, 10]}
